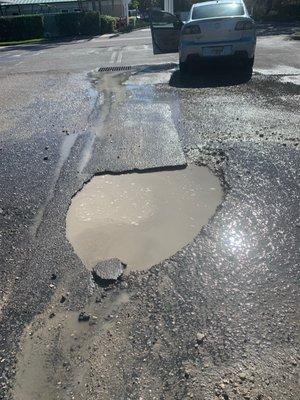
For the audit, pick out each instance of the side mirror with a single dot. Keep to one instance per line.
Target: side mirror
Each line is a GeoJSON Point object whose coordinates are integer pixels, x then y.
{"type": "Point", "coordinates": [178, 25]}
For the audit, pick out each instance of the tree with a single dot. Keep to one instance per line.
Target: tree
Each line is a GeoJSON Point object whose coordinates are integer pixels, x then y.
{"type": "Point", "coordinates": [146, 4]}
{"type": "Point", "coordinates": [134, 5]}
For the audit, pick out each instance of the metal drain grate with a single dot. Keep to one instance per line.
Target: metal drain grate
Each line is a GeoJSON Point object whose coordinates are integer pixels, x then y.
{"type": "Point", "coordinates": [113, 69]}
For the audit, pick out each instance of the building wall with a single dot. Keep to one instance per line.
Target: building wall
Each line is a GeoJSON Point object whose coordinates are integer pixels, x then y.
{"type": "Point", "coordinates": [108, 7]}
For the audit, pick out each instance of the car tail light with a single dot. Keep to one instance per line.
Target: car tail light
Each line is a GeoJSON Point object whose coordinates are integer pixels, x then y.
{"type": "Point", "coordinates": [191, 30]}
{"type": "Point", "coordinates": [244, 26]}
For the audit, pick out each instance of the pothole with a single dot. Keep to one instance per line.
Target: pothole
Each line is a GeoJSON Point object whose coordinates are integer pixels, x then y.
{"type": "Point", "coordinates": [141, 218]}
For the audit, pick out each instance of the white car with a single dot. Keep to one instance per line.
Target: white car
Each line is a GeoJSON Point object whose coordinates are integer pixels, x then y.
{"type": "Point", "coordinates": [215, 30]}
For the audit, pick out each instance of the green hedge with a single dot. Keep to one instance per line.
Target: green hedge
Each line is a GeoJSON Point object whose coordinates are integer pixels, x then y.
{"type": "Point", "coordinates": [52, 25]}
{"type": "Point", "coordinates": [21, 27]}
{"type": "Point", "coordinates": [108, 24]}
{"type": "Point", "coordinates": [89, 23]}
{"type": "Point", "coordinates": [70, 24]}
{"type": "Point", "coordinates": [67, 23]}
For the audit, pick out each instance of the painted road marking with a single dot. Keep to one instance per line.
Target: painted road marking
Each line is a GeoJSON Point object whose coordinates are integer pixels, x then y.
{"type": "Point", "coordinates": [113, 57]}
{"type": "Point", "coordinates": [120, 55]}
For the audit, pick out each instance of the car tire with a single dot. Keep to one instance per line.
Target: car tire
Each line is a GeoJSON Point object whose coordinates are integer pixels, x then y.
{"type": "Point", "coordinates": [248, 64]}
{"type": "Point", "coordinates": [183, 67]}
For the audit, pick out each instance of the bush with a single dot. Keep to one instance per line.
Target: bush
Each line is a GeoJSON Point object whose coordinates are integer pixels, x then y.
{"type": "Point", "coordinates": [71, 24]}
{"type": "Point", "coordinates": [291, 11]}
{"type": "Point", "coordinates": [89, 23]}
{"type": "Point", "coordinates": [284, 13]}
{"type": "Point", "coordinates": [67, 23]}
{"type": "Point", "coordinates": [21, 27]}
{"type": "Point", "coordinates": [141, 24]}
{"type": "Point", "coordinates": [108, 24]}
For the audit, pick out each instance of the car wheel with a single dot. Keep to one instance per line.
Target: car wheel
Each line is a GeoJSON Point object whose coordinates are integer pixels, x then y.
{"type": "Point", "coordinates": [183, 67]}
{"type": "Point", "coordinates": [248, 64]}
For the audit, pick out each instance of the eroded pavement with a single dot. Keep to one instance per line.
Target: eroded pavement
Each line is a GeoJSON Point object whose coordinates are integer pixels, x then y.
{"type": "Point", "coordinates": [216, 320]}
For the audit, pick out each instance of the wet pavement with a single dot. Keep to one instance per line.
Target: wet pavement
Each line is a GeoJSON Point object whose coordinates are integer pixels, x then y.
{"type": "Point", "coordinates": [216, 320]}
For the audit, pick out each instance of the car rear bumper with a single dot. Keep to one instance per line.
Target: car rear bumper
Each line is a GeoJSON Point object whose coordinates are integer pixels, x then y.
{"type": "Point", "coordinates": [240, 49]}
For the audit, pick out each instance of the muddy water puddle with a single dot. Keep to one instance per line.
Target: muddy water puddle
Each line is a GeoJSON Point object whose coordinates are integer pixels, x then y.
{"type": "Point", "coordinates": [141, 218]}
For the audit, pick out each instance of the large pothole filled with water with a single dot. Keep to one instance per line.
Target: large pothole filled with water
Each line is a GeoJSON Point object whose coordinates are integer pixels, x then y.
{"type": "Point", "coordinates": [141, 218]}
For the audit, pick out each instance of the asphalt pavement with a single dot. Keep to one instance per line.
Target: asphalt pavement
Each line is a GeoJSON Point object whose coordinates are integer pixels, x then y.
{"type": "Point", "coordinates": [218, 319]}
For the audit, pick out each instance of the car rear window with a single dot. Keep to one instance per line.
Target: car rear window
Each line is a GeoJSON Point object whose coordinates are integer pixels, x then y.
{"type": "Point", "coordinates": [218, 10]}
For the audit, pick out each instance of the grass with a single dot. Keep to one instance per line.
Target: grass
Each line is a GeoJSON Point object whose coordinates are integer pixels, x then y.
{"type": "Point", "coordinates": [28, 41]}
{"type": "Point", "coordinates": [296, 35]}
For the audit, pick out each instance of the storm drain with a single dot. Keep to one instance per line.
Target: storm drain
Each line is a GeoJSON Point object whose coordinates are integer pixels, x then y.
{"type": "Point", "coordinates": [115, 69]}
{"type": "Point", "coordinates": [141, 218]}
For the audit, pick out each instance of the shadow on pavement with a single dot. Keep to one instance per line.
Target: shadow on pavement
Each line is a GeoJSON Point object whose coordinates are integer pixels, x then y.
{"type": "Point", "coordinates": [210, 76]}
{"type": "Point", "coordinates": [276, 28]}
{"type": "Point", "coordinates": [47, 44]}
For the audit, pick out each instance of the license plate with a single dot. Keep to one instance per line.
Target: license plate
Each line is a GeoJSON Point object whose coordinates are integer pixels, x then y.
{"type": "Point", "coordinates": [216, 51]}
{"type": "Point", "coordinates": [213, 51]}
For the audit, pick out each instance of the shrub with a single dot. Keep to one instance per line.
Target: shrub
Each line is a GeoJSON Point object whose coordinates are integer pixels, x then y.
{"type": "Point", "coordinates": [67, 23]}
{"type": "Point", "coordinates": [89, 23]}
{"type": "Point", "coordinates": [107, 24]}
{"type": "Point", "coordinates": [141, 24]}
{"type": "Point", "coordinates": [284, 13]}
{"type": "Point", "coordinates": [21, 27]}
{"type": "Point", "coordinates": [70, 24]}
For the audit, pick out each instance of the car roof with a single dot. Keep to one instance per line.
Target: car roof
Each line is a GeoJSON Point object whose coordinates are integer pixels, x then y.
{"type": "Point", "coordinates": [204, 3]}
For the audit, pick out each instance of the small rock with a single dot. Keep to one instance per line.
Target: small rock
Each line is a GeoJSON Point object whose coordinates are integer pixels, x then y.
{"type": "Point", "coordinates": [63, 299]}
{"type": "Point", "coordinates": [83, 317]}
{"type": "Point", "coordinates": [109, 270]}
{"type": "Point", "coordinates": [242, 376]}
{"type": "Point", "coordinates": [93, 320]}
{"type": "Point", "coordinates": [200, 337]}
{"type": "Point", "coordinates": [45, 158]}
{"type": "Point", "coordinates": [53, 277]}
{"type": "Point", "coordinates": [1, 211]}
{"type": "Point", "coordinates": [124, 285]}
{"type": "Point", "coordinates": [52, 286]}
{"type": "Point", "coordinates": [52, 315]}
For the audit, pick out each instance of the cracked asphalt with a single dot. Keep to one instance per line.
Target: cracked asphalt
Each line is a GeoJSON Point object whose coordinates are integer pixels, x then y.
{"type": "Point", "coordinates": [220, 318]}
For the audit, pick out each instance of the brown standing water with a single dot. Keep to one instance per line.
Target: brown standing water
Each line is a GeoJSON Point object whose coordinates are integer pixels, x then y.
{"type": "Point", "coordinates": [141, 218]}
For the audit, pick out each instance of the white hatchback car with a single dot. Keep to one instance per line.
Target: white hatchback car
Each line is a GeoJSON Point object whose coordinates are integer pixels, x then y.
{"type": "Point", "coordinates": [215, 30]}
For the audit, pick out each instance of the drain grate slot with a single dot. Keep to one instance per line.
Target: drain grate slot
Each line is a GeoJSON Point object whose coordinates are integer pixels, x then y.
{"type": "Point", "coordinates": [113, 69]}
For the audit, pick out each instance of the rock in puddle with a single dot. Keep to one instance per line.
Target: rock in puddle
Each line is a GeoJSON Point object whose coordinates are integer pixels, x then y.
{"type": "Point", "coordinates": [109, 270]}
